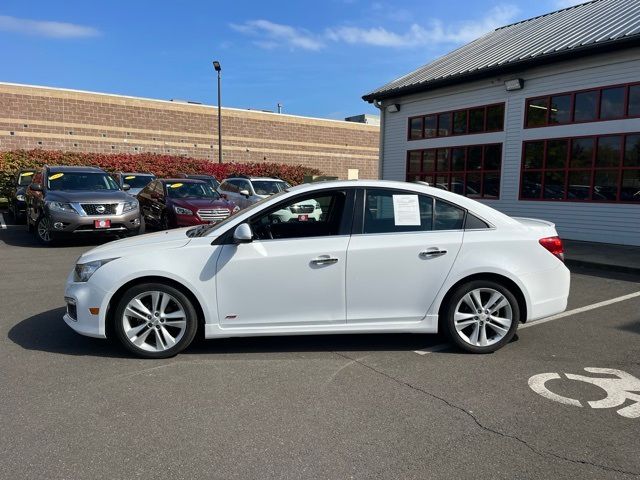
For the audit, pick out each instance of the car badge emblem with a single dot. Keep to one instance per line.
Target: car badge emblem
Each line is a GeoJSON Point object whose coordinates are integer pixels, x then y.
{"type": "Point", "coordinates": [100, 209]}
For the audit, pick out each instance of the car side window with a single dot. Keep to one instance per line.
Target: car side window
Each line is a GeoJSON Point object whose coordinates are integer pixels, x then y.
{"type": "Point", "coordinates": [314, 215]}
{"type": "Point", "coordinates": [396, 211]}
{"type": "Point", "coordinates": [243, 185]}
{"type": "Point", "coordinates": [230, 186]}
{"type": "Point", "coordinates": [447, 216]}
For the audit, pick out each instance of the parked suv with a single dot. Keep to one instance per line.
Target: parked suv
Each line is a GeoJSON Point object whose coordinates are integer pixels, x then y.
{"type": "Point", "coordinates": [75, 200]}
{"type": "Point", "coordinates": [136, 181]}
{"type": "Point", "coordinates": [245, 191]}
{"type": "Point", "coordinates": [17, 199]}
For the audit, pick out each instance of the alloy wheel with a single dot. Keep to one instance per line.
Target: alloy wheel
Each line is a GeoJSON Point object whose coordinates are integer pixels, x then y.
{"type": "Point", "coordinates": [154, 321]}
{"type": "Point", "coordinates": [483, 317]}
{"type": "Point", "coordinates": [44, 229]}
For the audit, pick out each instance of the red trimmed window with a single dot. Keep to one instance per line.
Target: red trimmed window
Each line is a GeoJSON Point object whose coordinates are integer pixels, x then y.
{"type": "Point", "coordinates": [598, 104]}
{"type": "Point", "coordinates": [487, 118]}
{"type": "Point", "coordinates": [473, 170]}
{"type": "Point", "coordinates": [602, 168]}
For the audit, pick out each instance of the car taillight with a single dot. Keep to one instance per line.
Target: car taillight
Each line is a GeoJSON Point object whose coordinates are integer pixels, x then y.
{"type": "Point", "coordinates": [553, 245]}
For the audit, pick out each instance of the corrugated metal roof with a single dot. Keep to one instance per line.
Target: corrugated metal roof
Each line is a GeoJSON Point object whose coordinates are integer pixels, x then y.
{"type": "Point", "coordinates": [581, 28]}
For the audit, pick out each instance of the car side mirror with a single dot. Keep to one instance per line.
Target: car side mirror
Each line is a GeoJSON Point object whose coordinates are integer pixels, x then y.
{"type": "Point", "coordinates": [243, 234]}
{"type": "Point", "coordinates": [245, 193]}
{"type": "Point", "coordinates": [126, 186]}
{"type": "Point", "coordinates": [36, 187]}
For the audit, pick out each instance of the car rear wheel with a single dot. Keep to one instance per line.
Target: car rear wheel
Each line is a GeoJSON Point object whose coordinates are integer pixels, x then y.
{"type": "Point", "coordinates": [154, 320]}
{"type": "Point", "coordinates": [481, 316]}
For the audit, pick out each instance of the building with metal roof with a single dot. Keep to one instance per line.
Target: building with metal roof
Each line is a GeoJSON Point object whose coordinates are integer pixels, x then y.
{"type": "Point", "coordinates": [540, 118]}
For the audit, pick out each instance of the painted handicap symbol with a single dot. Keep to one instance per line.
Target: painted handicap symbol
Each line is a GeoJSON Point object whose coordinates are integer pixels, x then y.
{"type": "Point", "coordinates": [620, 387]}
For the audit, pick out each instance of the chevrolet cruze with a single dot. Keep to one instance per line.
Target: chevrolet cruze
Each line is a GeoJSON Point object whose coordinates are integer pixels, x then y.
{"type": "Point", "coordinates": [383, 257]}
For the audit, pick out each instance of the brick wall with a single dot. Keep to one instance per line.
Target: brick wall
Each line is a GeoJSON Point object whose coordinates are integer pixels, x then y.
{"type": "Point", "coordinates": [37, 117]}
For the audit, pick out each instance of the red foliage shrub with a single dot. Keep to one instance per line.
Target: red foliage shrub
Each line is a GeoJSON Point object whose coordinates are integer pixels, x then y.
{"type": "Point", "coordinates": [160, 165]}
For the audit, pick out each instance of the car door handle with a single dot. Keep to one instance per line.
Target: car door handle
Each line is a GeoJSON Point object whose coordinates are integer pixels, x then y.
{"type": "Point", "coordinates": [324, 260]}
{"type": "Point", "coordinates": [432, 252]}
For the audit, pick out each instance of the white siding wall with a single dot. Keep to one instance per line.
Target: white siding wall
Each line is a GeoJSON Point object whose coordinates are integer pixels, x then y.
{"type": "Point", "coordinates": [612, 223]}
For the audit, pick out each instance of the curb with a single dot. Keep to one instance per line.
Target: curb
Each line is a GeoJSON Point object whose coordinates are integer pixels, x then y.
{"type": "Point", "coordinates": [602, 266]}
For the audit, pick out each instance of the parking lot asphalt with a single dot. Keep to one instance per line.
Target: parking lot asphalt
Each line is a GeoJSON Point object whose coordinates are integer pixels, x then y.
{"type": "Point", "coordinates": [331, 407]}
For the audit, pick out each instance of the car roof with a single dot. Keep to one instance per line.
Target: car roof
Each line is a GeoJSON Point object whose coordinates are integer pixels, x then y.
{"type": "Point", "coordinates": [137, 173]}
{"type": "Point", "coordinates": [256, 178]}
{"type": "Point", "coordinates": [193, 175]}
{"type": "Point", "coordinates": [181, 180]}
{"type": "Point", "coordinates": [67, 168]}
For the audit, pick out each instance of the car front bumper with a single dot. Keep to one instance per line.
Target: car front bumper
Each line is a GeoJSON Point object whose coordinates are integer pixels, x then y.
{"type": "Point", "coordinates": [71, 223]}
{"type": "Point", "coordinates": [80, 297]}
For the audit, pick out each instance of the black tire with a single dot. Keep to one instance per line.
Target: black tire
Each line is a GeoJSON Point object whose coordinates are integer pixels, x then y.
{"type": "Point", "coordinates": [29, 225]}
{"type": "Point", "coordinates": [447, 320]}
{"type": "Point", "coordinates": [164, 222]}
{"type": "Point", "coordinates": [143, 225]}
{"type": "Point", "coordinates": [39, 229]}
{"type": "Point", "coordinates": [191, 319]}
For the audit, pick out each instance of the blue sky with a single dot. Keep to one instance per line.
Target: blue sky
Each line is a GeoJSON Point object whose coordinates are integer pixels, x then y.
{"type": "Point", "coordinates": [316, 58]}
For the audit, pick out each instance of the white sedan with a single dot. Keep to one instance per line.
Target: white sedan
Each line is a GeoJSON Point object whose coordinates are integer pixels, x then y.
{"type": "Point", "coordinates": [384, 257]}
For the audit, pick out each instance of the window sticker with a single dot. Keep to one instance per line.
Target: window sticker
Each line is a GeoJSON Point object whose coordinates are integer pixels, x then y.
{"type": "Point", "coordinates": [56, 176]}
{"type": "Point", "coordinates": [130, 177]}
{"type": "Point", "coordinates": [406, 210]}
{"type": "Point", "coordinates": [27, 174]}
{"type": "Point", "coordinates": [176, 185]}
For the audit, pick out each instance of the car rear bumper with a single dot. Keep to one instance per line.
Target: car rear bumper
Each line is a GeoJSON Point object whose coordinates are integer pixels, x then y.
{"type": "Point", "coordinates": [548, 291]}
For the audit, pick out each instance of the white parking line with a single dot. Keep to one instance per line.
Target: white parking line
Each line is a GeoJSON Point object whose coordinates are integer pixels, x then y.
{"type": "Point", "coordinates": [604, 303]}
{"type": "Point", "coordinates": [2, 224]}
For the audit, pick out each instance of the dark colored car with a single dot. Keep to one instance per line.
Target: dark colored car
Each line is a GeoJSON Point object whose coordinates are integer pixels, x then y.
{"type": "Point", "coordinates": [73, 200]}
{"type": "Point", "coordinates": [210, 179]}
{"type": "Point", "coordinates": [136, 181]}
{"type": "Point", "coordinates": [17, 199]}
{"type": "Point", "coordinates": [182, 202]}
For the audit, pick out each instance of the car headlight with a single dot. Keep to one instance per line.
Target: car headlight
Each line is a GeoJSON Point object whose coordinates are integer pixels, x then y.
{"type": "Point", "coordinates": [182, 211]}
{"type": "Point", "coordinates": [236, 209]}
{"type": "Point", "coordinates": [129, 206]}
{"type": "Point", "coordinates": [83, 271]}
{"type": "Point", "coordinates": [61, 207]}
{"type": "Point", "coordinates": [20, 198]}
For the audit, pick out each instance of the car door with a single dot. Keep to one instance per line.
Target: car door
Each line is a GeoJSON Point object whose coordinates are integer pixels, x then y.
{"type": "Point", "coordinates": [293, 272]}
{"type": "Point", "coordinates": [402, 250]}
{"type": "Point", "coordinates": [144, 198]}
{"type": "Point", "coordinates": [230, 190]}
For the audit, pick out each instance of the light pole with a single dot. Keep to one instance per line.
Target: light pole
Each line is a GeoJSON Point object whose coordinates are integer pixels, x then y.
{"type": "Point", "coordinates": [218, 68]}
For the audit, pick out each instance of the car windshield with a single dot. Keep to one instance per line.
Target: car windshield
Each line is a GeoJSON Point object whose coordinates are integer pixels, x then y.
{"type": "Point", "coordinates": [25, 178]}
{"type": "Point", "coordinates": [269, 187]}
{"type": "Point", "coordinates": [204, 230]}
{"type": "Point", "coordinates": [81, 181]}
{"type": "Point", "coordinates": [137, 181]}
{"type": "Point", "coordinates": [190, 190]}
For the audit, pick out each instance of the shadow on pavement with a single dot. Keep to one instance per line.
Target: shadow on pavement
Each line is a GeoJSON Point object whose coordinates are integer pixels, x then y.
{"type": "Point", "coordinates": [607, 274]}
{"type": "Point", "coordinates": [18, 236]}
{"type": "Point", "coordinates": [47, 332]}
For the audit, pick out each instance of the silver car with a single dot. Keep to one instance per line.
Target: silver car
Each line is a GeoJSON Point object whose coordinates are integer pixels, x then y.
{"type": "Point", "coordinates": [245, 191]}
{"type": "Point", "coordinates": [66, 201]}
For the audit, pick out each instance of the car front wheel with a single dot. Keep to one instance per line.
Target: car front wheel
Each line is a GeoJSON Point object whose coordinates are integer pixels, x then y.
{"type": "Point", "coordinates": [154, 320]}
{"type": "Point", "coordinates": [43, 230]}
{"type": "Point", "coordinates": [481, 316]}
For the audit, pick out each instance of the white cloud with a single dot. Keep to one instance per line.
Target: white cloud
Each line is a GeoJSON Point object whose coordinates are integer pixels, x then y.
{"type": "Point", "coordinates": [275, 34]}
{"type": "Point", "coordinates": [434, 33]}
{"type": "Point", "coordinates": [271, 35]}
{"type": "Point", "coordinates": [45, 28]}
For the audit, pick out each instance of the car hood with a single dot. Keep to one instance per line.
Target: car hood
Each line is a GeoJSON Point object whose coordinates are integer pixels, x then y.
{"type": "Point", "coordinates": [139, 244]}
{"type": "Point", "coordinates": [197, 203]}
{"type": "Point", "coordinates": [21, 190]}
{"type": "Point", "coordinates": [133, 191]}
{"type": "Point", "coordinates": [88, 196]}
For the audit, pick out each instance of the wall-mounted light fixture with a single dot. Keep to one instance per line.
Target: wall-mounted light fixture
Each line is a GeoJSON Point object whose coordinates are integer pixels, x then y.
{"type": "Point", "coordinates": [393, 108]}
{"type": "Point", "coordinates": [514, 84]}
